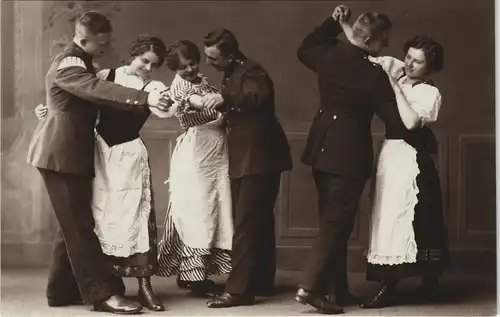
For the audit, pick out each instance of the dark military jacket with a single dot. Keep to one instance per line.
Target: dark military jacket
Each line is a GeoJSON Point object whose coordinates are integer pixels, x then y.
{"type": "Point", "coordinates": [256, 140]}
{"type": "Point", "coordinates": [64, 140]}
{"type": "Point", "coordinates": [351, 90]}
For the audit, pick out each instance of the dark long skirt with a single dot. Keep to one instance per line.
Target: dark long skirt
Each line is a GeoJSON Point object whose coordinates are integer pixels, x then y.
{"type": "Point", "coordinates": [430, 230]}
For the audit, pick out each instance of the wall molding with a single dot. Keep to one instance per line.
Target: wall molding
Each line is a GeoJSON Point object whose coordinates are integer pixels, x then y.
{"type": "Point", "coordinates": [466, 235]}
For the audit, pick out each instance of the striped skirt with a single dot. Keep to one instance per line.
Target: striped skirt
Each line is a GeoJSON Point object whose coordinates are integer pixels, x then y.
{"type": "Point", "coordinates": [189, 264]}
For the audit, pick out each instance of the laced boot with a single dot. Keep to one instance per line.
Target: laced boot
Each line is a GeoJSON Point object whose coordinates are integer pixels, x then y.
{"type": "Point", "coordinates": [147, 296]}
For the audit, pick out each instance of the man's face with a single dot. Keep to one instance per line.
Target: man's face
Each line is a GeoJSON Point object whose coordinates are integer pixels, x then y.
{"type": "Point", "coordinates": [97, 45]}
{"type": "Point", "coordinates": [216, 59]}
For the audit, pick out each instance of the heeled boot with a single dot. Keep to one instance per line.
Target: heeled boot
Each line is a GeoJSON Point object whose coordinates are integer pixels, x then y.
{"type": "Point", "coordinates": [147, 296]}
{"type": "Point", "coordinates": [382, 298]}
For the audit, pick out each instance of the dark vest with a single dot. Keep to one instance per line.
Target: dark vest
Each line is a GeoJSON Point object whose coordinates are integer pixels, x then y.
{"type": "Point", "coordinates": [117, 126]}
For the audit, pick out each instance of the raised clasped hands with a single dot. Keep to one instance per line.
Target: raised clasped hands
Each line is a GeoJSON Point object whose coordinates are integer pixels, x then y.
{"type": "Point", "coordinates": [341, 13]}
{"type": "Point", "coordinates": [212, 100]}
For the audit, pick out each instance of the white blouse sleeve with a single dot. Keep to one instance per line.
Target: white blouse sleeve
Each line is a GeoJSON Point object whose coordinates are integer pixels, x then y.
{"type": "Point", "coordinates": [391, 65]}
{"type": "Point", "coordinates": [103, 74]}
{"type": "Point", "coordinates": [427, 102]}
{"type": "Point", "coordinates": [155, 86]}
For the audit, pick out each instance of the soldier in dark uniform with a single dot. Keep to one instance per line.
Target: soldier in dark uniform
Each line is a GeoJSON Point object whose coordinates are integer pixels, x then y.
{"type": "Point", "coordinates": [339, 147]}
{"type": "Point", "coordinates": [258, 154]}
{"type": "Point", "coordinates": [62, 149]}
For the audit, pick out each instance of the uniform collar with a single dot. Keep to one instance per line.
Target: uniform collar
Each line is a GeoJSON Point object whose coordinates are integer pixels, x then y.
{"type": "Point", "coordinates": [356, 50]}
{"type": "Point", "coordinates": [236, 63]}
{"type": "Point", "coordinates": [77, 48]}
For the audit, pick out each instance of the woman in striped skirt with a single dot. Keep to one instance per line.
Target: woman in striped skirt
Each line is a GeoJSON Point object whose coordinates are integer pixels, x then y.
{"type": "Point", "coordinates": [198, 225]}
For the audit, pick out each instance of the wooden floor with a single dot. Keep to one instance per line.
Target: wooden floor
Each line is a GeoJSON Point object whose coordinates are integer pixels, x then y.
{"type": "Point", "coordinates": [22, 294]}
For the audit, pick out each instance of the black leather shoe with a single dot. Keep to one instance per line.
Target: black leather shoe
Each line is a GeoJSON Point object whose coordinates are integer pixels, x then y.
{"type": "Point", "coordinates": [228, 300]}
{"type": "Point", "coordinates": [118, 305]}
{"type": "Point", "coordinates": [322, 304]}
{"type": "Point", "coordinates": [381, 299]}
{"type": "Point", "coordinates": [52, 302]}
{"type": "Point", "coordinates": [147, 296]}
{"type": "Point", "coordinates": [180, 283]}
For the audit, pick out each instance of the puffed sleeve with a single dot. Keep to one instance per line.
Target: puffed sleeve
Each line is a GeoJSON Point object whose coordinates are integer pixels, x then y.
{"type": "Point", "coordinates": [103, 74]}
{"type": "Point", "coordinates": [391, 65]}
{"type": "Point", "coordinates": [426, 102]}
{"type": "Point", "coordinates": [155, 86]}
{"type": "Point", "coordinates": [191, 116]}
{"type": "Point", "coordinates": [188, 116]}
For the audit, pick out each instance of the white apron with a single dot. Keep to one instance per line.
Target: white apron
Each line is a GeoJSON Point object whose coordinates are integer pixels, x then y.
{"type": "Point", "coordinates": [200, 192]}
{"type": "Point", "coordinates": [121, 201]}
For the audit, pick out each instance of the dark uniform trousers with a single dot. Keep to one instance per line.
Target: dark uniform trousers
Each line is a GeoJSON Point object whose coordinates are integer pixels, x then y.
{"type": "Point", "coordinates": [254, 243]}
{"type": "Point", "coordinates": [86, 275]}
{"type": "Point", "coordinates": [258, 153]}
{"type": "Point", "coordinates": [338, 204]}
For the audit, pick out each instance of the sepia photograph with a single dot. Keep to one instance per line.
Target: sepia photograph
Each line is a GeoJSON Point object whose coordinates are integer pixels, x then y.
{"type": "Point", "coordinates": [248, 158]}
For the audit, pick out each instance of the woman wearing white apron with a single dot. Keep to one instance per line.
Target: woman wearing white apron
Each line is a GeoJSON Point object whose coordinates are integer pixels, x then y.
{"type": "Point", "coordinates": [122, 201]}
{"type": "Point", "coordinates": [198, 225]}
{"type": "Point", "coordinates": [407, 230]}
{"type": "Point", "coordinates": [408, 233]}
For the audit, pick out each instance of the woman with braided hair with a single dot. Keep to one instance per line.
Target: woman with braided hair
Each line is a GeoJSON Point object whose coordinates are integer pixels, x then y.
{"type": "Point", "coordinates": [198, 225]}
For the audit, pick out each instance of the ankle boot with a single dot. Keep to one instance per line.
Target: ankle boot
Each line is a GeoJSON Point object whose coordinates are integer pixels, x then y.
{"type": "Point", "coordinates": [147, 297]}
{"type": "Point", "coordinates": [382, 298]}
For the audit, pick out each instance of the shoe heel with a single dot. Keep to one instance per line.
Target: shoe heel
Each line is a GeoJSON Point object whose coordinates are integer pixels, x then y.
{"type": "Point", "coordinates": [300, 300]}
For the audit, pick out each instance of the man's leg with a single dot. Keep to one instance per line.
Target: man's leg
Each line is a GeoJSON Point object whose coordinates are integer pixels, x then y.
{"type": "Point", "coordinates": [249, 192]}
{"type": "Point", "coordinates": [248, 214]}
{"type": "Point", "coordinates": [79, 249]}
{"type": "Point", "coordinates": [338, 200]}
{"type": "Point", "coordinates": [62, 288]}
{"type": "Point", "coordinates": [265, 267]}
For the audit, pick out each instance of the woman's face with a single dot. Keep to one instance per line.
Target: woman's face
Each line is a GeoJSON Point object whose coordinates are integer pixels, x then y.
{"type": "Point", "coordinates": [144, 64]}
{"type": "Point", "coordinates": [415, 63]}
{"type": "Point", "coordinates": [188, 69]}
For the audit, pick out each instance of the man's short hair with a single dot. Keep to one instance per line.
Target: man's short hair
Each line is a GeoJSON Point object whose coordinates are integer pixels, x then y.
{"type": "Point", "coordinates": [225, 41]}
{"type": "Point", "coordinates": [94, 22]}
{"type": "Point", "coordinates": [371, 24]}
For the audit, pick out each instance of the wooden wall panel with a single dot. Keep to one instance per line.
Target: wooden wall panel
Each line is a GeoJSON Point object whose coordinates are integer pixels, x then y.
{"type": "Point", "coordinates": [476, 192]}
